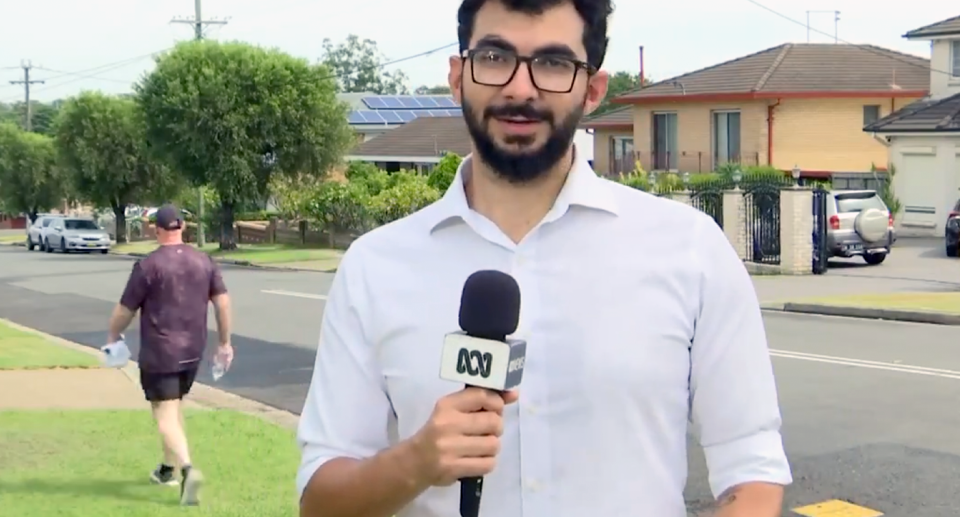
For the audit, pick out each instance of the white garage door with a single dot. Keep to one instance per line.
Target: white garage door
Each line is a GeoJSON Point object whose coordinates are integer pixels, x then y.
{"type": "Point", "coordinates": [919, 189]}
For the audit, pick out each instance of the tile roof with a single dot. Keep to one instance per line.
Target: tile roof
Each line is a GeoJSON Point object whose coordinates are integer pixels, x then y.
{"type": "Point", "coordinates": [621, 117]}
{"type": "Point", "coordinates": [799, 68]}
{"type": "Point", "coordinates": [946, 27]}
{"type": "Point", "coordinates": [927, 115]}
{"type": "Point", "coordinates": [425, 136]}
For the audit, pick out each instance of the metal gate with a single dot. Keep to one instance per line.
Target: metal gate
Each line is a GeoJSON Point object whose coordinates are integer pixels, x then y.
{"type": "Point", "coordinates": [708, 198]}
{"type": "Point", "coordinates": [761, 202]}
{"type": "Point", "coordinates": [820, 255]}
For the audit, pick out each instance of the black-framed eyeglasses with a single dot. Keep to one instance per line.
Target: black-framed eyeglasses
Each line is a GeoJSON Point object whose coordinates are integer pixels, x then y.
{"type": "Point", "coordinates": [548, 73]}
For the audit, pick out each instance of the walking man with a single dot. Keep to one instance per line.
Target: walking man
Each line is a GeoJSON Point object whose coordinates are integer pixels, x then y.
{"type": "Point", "coordinates": [171, 288]}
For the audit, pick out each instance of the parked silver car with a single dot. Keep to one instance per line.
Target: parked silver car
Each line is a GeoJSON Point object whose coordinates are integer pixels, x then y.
{"type": "Point", "coordinates": [76, 234]}
{"type": "Point", "coordinates": [859, 224]}
{"type": "Point", "coordinates": [37, 232]}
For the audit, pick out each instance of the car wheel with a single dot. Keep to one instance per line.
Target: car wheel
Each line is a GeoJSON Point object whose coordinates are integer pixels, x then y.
{"type": "Point", "coordinates": [63, 245]}
{"type": "Point", "coordinates": [104, 252]}
{"type": "Point", "coordinates": [30, 245]}
{"type": "Point", "coordinates": [951, 250]}
{"type": "Point", "coordinates": [875, 258]}
{"type": "Point", "coordinates": [46, 246]}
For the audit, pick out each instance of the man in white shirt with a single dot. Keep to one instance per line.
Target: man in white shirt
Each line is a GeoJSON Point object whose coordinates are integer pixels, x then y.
{"type": "Point", "coordinates": [637, 312]}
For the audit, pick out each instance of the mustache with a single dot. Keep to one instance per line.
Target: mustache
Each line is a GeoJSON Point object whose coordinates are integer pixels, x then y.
{"type": "Point", "coordinates": [526, 111]}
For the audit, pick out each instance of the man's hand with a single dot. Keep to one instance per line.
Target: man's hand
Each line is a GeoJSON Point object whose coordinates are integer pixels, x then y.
{"type": "Point", "coordinates": [225, 354]}
{"type": "Point", "coordinates": [462, 437]}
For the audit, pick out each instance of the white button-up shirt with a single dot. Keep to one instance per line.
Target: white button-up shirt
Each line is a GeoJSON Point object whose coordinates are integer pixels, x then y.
{"type": "Point", "coordinates": [638, 317]}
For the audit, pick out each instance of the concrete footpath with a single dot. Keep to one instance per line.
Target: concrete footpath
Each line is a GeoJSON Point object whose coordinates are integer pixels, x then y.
{"type": "Point", "coordinates": [107, 388]}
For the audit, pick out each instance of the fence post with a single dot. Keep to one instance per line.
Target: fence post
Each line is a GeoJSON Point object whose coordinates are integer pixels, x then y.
{"type": "Point", "coordinates": [796, 231]}
{"type": "Point", "coordinates": [735, 221]}
{"type": "Point", "coordinates": [272, 230]}
{"type": "Point", "coordinates": [302, 226]}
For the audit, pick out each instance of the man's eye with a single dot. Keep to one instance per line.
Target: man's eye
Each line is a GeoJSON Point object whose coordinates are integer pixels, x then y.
{"type": "Point", "coordinates": [554, 62]}
{"type": "Point", "coordinates": [493, 57]}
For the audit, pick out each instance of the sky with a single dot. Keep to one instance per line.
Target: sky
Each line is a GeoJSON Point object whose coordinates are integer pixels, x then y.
{"type": "Point", "coordinates": [78, 45]}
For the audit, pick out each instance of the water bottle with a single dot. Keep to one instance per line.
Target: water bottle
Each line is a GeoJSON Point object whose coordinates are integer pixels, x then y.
{"type": "Point", "coordinates": [219, 368]}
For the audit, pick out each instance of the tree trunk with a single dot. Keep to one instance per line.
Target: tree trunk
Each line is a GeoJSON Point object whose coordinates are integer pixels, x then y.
{"type": "Point", "coordinates": [33, 214]}
{"type": "Point", "coordinates": [120, 223]}
{"type": "Point", "coordinates": [227, 240]}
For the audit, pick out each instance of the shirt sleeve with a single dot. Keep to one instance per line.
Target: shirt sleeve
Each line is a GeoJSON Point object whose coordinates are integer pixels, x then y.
{"type": "Point", "coordinates": [217, 286]}
{"type": "Point", "coordinates": [734, 407]}
{"type": "Point", "coordinates": [347, 411]}
{"type": "Point", "coordinates": [136, 289]}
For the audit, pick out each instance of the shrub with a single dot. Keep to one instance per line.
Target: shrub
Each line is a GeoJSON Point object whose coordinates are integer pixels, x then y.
{"type": "Point", "coordinates": [341, 207]}
{"type": "Point", "coordinates": [442, 175]}
{"type": "Point", "coordinates": [409, 194]}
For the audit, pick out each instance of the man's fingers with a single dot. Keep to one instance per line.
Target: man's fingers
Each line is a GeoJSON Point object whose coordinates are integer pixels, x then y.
{"type": "Point", "coordinates": [509, 397]}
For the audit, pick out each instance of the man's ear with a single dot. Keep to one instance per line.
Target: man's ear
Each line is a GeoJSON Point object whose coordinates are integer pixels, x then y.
{"type": "Point", "coordinates": [596, 91]}
{"type": "Point", "coordinates": [455, 77]}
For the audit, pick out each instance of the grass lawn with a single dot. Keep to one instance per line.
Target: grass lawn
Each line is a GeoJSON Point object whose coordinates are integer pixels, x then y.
{"type": "Point", "coordinates": [97, 463]}
{"type": "Point", "coordinates": [929, 302]}
{"type": "Point", "coordinates": [262, 254]}
{"type": "Point", "coordinates": [22, 350]}
{"type": "Point", "coordinates": [13, 238]}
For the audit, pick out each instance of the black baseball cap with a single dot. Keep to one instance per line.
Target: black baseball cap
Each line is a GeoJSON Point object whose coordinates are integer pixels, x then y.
{"type": "Point", "coordinates": [169, 218]}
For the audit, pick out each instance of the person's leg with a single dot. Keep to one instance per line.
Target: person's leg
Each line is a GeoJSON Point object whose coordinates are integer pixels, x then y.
{"type": "Point", "coordinates": [163, 392]}
{"type": "Point", "coordinates": [192, 478]}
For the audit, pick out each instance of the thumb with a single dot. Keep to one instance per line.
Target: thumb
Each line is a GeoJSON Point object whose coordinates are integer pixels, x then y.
{"type": "Point", "coordinates": [509, 397]}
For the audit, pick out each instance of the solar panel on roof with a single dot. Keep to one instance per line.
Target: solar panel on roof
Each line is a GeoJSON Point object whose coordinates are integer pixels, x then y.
{"type": "Point", "coordinates": [428, 102]}
{"type": "Point", "coordinates": [454, 113]}
{"type": "Point", "coordinates": [372, 117]}
{"type": "Point", "coordinates": [446, 102]}
{"type": "Point", "coordinates": [438, 113]}
{"type": "Point", "coordinates": [374, 102]}
{"type": "Point", "coordinates": [391, 117]}
{"type": "Point", "coordinates": [392, 103]}
{"type": "Point", "coordinates": [406, 116]}
{"type": "Point", "coordinates": [410, 102]}
{"type": "Point", "coordinates": [355, 118]}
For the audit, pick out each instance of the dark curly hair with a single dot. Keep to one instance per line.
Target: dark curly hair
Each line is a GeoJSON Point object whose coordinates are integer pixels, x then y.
{"type": "Point", "coordinates": [593, 12]}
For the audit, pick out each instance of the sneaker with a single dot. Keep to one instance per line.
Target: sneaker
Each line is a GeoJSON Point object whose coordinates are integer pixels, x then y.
{"type": "Point", "coordinates": [190, 488]}
{"type": "Point", "coordinates": [163, 475]}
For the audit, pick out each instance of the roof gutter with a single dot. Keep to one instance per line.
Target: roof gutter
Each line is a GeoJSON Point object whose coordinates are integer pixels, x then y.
{"type": "Point", "coordinates": [753, 96]}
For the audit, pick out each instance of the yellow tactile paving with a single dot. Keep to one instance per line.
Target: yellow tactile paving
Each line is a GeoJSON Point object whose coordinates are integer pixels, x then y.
{"type": "Point", "coordinates": [836, 508]}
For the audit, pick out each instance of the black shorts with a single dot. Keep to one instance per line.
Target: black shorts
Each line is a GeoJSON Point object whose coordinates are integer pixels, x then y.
{"type": "Point", "coordinates": [158, 387]}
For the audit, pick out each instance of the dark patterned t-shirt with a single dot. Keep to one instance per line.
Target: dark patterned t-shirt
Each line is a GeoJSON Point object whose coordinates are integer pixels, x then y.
{"type": "Point", "coordinates": [171, 288]}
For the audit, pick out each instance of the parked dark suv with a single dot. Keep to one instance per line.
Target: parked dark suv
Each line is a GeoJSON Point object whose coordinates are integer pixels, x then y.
{"type": "Point", "coordinates": [951, 232]}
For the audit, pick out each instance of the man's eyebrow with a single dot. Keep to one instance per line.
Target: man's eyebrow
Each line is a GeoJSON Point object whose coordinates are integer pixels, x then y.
{"type": "Point", "coordinates": [555, 49]}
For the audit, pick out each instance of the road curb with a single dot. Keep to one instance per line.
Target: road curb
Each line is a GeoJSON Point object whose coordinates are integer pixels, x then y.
{"type": "Point", "coordinates": [202, 394]}
{"type": "Point", "coordinates": [238, 263]}
{"type": "Point", "coordinates": [929, 317]}
{"type": "Point", "coordinates": [242, 263]}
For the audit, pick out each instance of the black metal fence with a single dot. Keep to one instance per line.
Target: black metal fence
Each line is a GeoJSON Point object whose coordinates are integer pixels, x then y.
{"type": "Point", "coordinates": [708, 198]}
{"type": "Point", "coordinates": [820, 254]}
{"type": "Point", "coordinates": [761, 202]}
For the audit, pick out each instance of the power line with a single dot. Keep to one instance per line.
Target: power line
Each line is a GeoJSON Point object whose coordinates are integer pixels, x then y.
{"type": "Point", "coordinates": [868, 48]}
{"type": "Point", "coordinates": [82, 76]}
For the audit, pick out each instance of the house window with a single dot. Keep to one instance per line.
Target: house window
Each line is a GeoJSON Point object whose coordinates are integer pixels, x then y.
{"type": "Point", "coordinates": [726, 137]}
{"type": "Point", "coordinates": [955, 54]}
{"type": "Point", "coordinates": [871, 114]}
{"type": "Point", "coordinates": [664, 146]}
{"type": "Point", "coordinates": [621, 153]}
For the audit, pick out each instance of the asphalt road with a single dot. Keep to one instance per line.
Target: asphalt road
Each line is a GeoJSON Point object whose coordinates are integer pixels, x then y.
{"type": "Point", "coordinates": [869, 407]}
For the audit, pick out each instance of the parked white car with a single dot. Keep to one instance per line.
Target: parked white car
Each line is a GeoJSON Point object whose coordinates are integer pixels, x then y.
{"type": "Point", "coordinates": [38, 231]}
{"type": "Point", "coordinates": [68, 234]}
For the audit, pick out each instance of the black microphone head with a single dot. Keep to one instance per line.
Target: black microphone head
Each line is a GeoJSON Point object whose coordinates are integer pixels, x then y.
{"type": "Point", "coordinates": [490, 305]}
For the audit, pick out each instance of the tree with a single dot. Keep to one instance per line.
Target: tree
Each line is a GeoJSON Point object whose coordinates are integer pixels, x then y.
{"type": "Point", "coordinates": [442, 175]}
{"type": "Point", "coordinates": [433, 90]}
{"type": "Point", "coordinates": [30, 180]}
{"type": "Point", "coordinates": [102, 147]}
{"type": "Point", "coordinates": [231, 115]}
{"type": "Point", "coordinates": [620, 83]}
{"type": "Point", "coordinates": [358, 67]}
{"type": "Point", "coordinates": [408, 193]}
{"type": "Point", "coordinates": [42, 117]}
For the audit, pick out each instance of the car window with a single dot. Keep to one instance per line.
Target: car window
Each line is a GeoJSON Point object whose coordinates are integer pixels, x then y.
{"type": "Point", "coordinates": [46, 222]}
{"type": "Point", "coordinates": [80, 224]}
{"type": "Point", "coordinates": [858, 202]}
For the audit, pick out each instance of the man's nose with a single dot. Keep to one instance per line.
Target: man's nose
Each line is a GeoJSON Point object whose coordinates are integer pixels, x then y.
{"type": "Point", "coordinates": [521, 87]}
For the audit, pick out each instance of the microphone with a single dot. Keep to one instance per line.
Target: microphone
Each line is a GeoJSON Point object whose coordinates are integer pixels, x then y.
{"type": "Point", "coordinates": [480, 355]}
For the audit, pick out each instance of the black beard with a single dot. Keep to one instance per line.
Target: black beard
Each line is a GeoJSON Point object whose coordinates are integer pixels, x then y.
{"type": "Point", "coordinates": [523, 166]}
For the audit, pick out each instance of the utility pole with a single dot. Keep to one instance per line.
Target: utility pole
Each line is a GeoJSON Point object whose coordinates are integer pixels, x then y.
{"type": "Point", "coordinates": [198, 22]}
{"type": "Point", "coordinates": [26, 82]}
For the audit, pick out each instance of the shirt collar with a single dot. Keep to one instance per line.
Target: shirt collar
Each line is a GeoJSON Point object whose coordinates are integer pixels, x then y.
{"type": "Point", "coordinates": [582, 188]}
